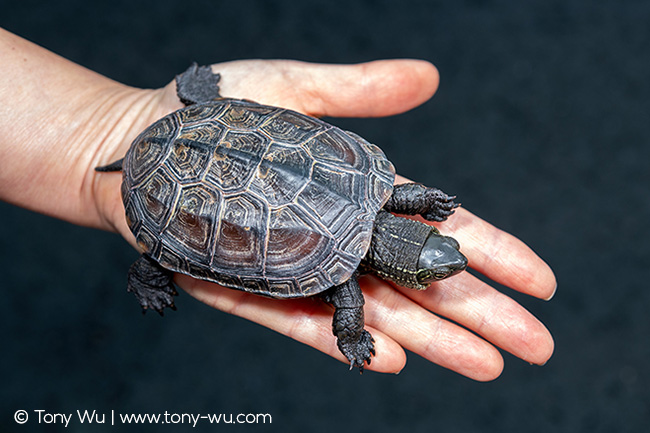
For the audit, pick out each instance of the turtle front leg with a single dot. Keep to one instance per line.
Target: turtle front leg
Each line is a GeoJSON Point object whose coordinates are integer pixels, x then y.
{"type": "Point", "coordinates": [152, 285]}
{"type": "Point", "coordinates": [353, 341]}
{"type": "Point", "coordinates": [418, 199]}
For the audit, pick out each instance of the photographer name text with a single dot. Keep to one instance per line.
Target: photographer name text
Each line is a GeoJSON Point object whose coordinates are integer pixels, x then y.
{"type": "Point", "coordinates": [42, 416]}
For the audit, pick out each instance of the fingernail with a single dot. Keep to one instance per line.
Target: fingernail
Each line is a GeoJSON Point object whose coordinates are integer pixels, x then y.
{"type": "Point", "coordinates": [552, 294]}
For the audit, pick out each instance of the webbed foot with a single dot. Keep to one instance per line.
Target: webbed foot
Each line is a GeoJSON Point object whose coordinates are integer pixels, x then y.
{"type": "Point", "coordinates": [197, 84]}
{"type": "Point", "coordinates": [418, 199]}
{"type": "Point", "coordinates": [440, 205]}
{"type": "Point", "coordinates": [152, 285]}
{"type": "Point", "coordinates": [359, 350]}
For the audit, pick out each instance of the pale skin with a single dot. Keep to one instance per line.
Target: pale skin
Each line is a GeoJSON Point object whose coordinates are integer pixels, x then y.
{"type": "Point", "coordinates": [58, 121]}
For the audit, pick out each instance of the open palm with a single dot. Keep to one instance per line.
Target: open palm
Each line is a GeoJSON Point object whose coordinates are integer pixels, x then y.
{"type": "Point", "coordinates": [457, 323]}
{"type": "Point", "coordinates": [398, 318]}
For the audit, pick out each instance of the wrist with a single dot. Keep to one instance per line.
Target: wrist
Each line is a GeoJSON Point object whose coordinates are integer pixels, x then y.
{"type": "Point", "coordinates": [125, 114]}
{"type": "Point", "coordinates": [58, 121]}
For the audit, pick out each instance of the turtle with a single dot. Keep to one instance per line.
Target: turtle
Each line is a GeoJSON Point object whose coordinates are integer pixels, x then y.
{"type": "Point", "coordinates": [278, 203]}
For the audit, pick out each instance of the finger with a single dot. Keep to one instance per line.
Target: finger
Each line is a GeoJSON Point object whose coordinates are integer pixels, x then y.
{"type": "Point", "coordinates": [306, 320]}
{"type": "Point", "coordinates": [428, 335]}
{"type": "Point", "coordinates": [496, 254]}
{"type": "Point", "coordinates": [496, 317]}
{"type": "Point", "coordinates": [379, 88]}
{"type": "Point", "coordinates": [501, 256]}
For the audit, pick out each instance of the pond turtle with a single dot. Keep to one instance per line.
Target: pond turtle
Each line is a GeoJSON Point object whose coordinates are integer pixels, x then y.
{"type": "Point", "coordinates": [277, 203]}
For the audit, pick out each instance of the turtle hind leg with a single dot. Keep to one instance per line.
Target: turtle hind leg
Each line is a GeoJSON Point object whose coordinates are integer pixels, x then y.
{"type": "Point", "coordinates": [353, 341]}
{"type": "Point", "coordinates": [152, 285]}
{"type": "Point", "coordinates": [197, 84]}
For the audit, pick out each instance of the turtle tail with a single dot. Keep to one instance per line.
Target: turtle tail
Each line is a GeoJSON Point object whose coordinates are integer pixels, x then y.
{"type": "Point", "coordinates": [113, 166]}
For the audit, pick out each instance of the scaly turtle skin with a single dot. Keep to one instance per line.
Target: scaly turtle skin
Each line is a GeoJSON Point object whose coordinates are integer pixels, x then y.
{"type": "Point", "coordinates": [276, 203]}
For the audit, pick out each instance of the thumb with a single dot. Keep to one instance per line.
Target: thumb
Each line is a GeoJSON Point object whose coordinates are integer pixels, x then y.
{"type": "Point", "coordinates": [373, 89]}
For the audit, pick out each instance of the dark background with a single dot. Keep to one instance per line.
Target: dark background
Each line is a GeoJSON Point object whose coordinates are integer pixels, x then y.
{"type": "Point", "coordinates": [540, 125]}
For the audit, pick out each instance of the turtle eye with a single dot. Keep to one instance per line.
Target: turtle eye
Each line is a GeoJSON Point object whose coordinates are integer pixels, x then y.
{"type": "Point", "coordinates": [440, 275]}
{"type": "Point", "coordinates": [424, 276]}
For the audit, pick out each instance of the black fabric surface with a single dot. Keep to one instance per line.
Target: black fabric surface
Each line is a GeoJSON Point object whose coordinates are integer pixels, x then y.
{"type": "Point", "coordinates": [540, 126]}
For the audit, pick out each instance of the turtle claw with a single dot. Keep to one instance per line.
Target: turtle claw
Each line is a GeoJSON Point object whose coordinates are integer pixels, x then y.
{"type": "Point", "coordinates": [155, 298]}
{"type": "Point", "coordinates": [360, 352]}
{"type": "Point", "coordinates": [417, 199]}
{"type": "Point", "coordinates": [440, 205]}
{"type": "Point", "coordinates": [152, 285]}
{"type": "Point", "coordinates": [197, 84]}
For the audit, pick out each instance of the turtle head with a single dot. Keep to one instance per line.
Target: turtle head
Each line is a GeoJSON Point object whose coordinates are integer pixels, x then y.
{"type": "Point", "coordinates": [440, 258]}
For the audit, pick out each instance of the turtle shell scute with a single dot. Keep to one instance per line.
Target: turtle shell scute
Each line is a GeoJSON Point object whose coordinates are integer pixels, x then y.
{"type": "Point", "coordinates": [254, 197]}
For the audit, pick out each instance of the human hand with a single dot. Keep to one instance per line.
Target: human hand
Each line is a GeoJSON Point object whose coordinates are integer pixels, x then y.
{"type": "Point", "coordinates": [423, 321]}
{"type": "Point", "coordinates": [85, 120]}
{"type": "Point", "coordinates": [398, 318]}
